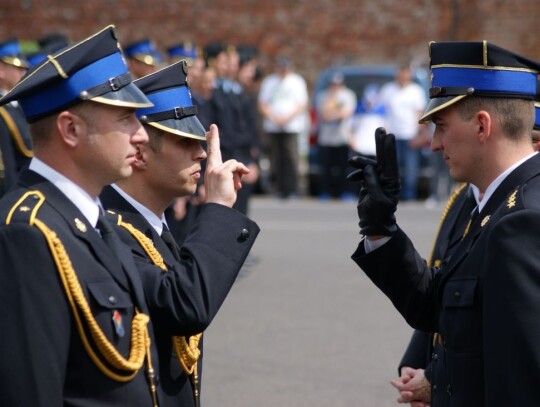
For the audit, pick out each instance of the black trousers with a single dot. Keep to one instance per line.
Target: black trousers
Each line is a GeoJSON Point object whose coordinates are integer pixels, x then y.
{"type": "Point", "coordinates": [284, 161]}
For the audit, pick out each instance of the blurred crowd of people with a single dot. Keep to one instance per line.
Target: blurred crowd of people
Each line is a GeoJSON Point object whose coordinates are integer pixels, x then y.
{"type": "Point", "coordinates": [346, 124]}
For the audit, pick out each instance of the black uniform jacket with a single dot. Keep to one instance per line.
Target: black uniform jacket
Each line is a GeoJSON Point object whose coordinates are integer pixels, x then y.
{"type": "Point", "coordinates": [452, 225]}
{"type": "Point", "coordinates": [228, 236]}
{"type": "Point", "coordinates": [230, 112]}
{"type": "Point", "coordinates": [211, 257]}
{"type": "Point", "coordinates": [485, 301]}
{"type": "Point", "coordinates": [43, 361]}
{"type": "Point", "coordinates": [15, 143]}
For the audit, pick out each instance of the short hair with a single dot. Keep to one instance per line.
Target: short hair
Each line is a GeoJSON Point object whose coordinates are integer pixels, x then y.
{"type": "Point", "coordinates": [155, 138]}
{"type": "Point", "coordinates": [516, 116]}
{"type": "Point", "coordinates": [41, 131]}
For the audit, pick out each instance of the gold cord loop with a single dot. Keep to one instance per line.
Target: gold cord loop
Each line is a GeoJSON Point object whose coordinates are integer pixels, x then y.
{"type": "Point", "coordinates": [186, 348]}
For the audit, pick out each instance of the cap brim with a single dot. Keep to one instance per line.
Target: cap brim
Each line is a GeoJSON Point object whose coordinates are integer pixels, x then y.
{"type": "Point", "coordinates": [186, 127]}
{"type": "Point", "coordinates": [436, 105]}
{"type": "Point", "coordinates": [127, 96]}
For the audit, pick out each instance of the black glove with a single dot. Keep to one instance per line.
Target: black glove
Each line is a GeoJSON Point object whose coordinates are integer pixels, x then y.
{"type": "Point", "coordinates": [380, 187]}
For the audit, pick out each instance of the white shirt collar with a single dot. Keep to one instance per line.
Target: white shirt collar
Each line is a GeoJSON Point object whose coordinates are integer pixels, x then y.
{"type": "Point", "coordinates": [498, 181]}
{"type": "Point", "coordinates": [151, 217]}
{"type": "Point", "coordinates": [79, 197]}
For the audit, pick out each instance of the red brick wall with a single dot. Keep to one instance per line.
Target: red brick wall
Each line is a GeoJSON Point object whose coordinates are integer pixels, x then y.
{"type": "Point", "coordinates": [315, 33]}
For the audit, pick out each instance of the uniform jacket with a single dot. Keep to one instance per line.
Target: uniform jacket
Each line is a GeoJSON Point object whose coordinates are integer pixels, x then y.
{"type": "Point", "coordinates": [43, 361]}
{"type": "Point", "coordinates": [227, 237]}
{"type": "Point", "coordinates": [229, 110]}
{"type": "Point", "coordinates": [484, 301]}
{"type": "Point", "coordinates": [419, 352]}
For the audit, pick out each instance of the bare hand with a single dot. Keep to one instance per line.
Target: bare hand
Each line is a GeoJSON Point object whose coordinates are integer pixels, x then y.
{"type": "Point", "coordinates": [222, 179]}
{"type": "Point", "coordinates": [413, 387]}
{"type": "Point", "coordinates": [253, 175]}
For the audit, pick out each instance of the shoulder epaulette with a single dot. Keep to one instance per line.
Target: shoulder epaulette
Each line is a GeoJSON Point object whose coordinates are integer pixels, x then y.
{"type": "Point", "coordinates": [26, 208]}
{"type": "Point", "coordinates": [15, 133]}
{"type": "Point", "coordinates": [447, 208]}
{"type": "Point", "coordinates": [143, 240]}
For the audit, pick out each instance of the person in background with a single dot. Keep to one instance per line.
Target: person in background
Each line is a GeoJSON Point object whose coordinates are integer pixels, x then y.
{"type": "Point", "coordinates": [15, 141]}
{"type": "Point", "coordinates": [184, 50]}
{"type": "Point", "coordinates": [283, 101]}
{"type": "Point", "coordinates": [368, 116]}
{"type": "Point", "coordinates": [335, 107]}
{"type": "Point", "coordinates": [404, 101]}
{"type": "Point", "coordinates": [48, 44]}
{"type": "Point", "coordinates": [143, 58]}
{"type": "Point", "coordinates": [229, 109]}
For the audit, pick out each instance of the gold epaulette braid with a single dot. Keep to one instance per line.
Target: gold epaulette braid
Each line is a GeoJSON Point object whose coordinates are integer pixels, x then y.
{"type": "Point", "coordinates": [140, 341]}
{"type": "Point", "coordinates": [145, 243]}
{"type": "Point", "coordinates": [29, 204]}
{"type": "Point", "coordinates": [15, 133]}
{"type": "Point", "coordinates": [188, 353]}
{"type": "Point", "coordinates": [447, 207]}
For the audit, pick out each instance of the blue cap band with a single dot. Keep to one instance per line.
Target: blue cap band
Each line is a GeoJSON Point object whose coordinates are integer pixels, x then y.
{"type": "Point", "coordinates": [167, 100]}
{"type": "Point", "coordinates": [182, 52]}
{"type": "Point", "coordinates": [488, 80]}
{"type": "Point", "coordinates": [144, 48]}
{"type": "Point", "coordinates": [67, 90]}
{"type": "Point", "coordinates": [10, 49]}
{"type": "Point", "coordinates": [141, 48]}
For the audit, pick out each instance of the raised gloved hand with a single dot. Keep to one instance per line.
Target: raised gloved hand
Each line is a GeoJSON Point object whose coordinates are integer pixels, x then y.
{"type": "Point", "coordinates": [380, 187]}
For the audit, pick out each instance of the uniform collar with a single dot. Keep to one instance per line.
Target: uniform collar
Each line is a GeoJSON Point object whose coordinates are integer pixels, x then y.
{"type": "Point", "coordinates": [155, 221]}
{"type": "Point", "coordinates": [80, 198]}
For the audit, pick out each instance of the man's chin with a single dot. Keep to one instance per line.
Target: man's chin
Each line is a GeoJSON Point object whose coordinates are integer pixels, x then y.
{"type": "Point", "coordinates": [125, 173]}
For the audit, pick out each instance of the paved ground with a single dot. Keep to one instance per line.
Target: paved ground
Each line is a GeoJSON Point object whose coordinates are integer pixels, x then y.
{"type": "Point", "coordinates": [303, 326]}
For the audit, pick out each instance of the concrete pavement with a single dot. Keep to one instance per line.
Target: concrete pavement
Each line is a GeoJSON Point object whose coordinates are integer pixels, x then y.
{"type": "Point", "coordinates": [303, 326]}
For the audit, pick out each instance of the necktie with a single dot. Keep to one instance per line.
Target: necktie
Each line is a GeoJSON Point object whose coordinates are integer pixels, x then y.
{"type": "Point", "coordinates": [168, 238]}
{"type": "Point", "coordinates": [107, 232]}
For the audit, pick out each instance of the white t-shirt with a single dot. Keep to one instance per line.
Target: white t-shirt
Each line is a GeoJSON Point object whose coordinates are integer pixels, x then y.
{"type": "Point", "coordinates": [283, 95]}
{"type": "Point", "coordinates": [336, 132]}
{"type": "Point", "coordinates": [403, 107]}
{"type": "Point", "coordinates": [363, 131]}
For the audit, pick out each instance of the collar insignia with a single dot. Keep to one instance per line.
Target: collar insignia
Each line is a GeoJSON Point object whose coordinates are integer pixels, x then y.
{"type": "Point", "coordinates": [80, 225]}
{"type": "Point", "coordinates": [512, 200]}
{"type": "Point", "coordinates": [485, 220]}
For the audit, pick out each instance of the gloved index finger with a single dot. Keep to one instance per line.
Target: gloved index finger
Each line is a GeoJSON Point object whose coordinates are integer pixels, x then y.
{"type": "Point", "coordinates": [390, 166]}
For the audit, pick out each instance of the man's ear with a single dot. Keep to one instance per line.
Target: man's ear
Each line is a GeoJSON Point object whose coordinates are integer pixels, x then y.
{"type": "Point", "coordinates": [484, 123]}
{"type": "Point", "coordinates": [70, 128]}
{"type": "Point", "coordinates": [141, 157]}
